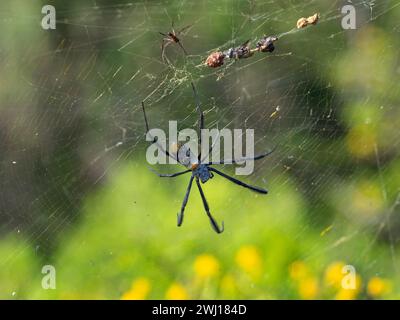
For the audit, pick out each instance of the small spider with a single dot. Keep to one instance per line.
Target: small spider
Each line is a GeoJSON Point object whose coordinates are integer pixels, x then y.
{"type": "Point", "coordinates": [172, 37]}
{"type": "Point", "coordinates": [201, 171]}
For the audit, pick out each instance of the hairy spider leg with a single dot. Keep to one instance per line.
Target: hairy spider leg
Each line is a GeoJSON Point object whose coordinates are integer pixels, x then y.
{"type": "Point", "coordinates": [185, 200]}
{"type": "Point", "coordinates": [210, 149]}
{"type": "Point", "coordinates": [169, 175]}
{"type": "Point", "coordinates": [165, 43]}
{"type": "Point", "coordinates": [201, 115]}
{"type": "Point", "coordinates": [234, 161]}
{"type": "Point", "coordinates": [154, 139]}
{"type": "Point", "coordinates": [181, 46]}
{"type": "Point", "coordinates": [214, 224]}
{"type": "Point", "coordinates": [238, 182]}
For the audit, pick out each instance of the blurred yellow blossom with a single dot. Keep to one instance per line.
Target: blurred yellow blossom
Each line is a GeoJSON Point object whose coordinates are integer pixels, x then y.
{"type": "Point", "coordinates": [298, 270]}
{"type": "Point", "coordinates": [308, 288]}
{"type": "Point", "coordinates": [176, 292]}
{"type": "Point", "coordinates": [334, 274]}
{"type": "Point", "coordinates": [346, 294]}
{"type": "Point", "coordinates": [206, 266]}
{"type": "Point", "coordinates": [377, 287]}
{"type": "Point", "coordinates": [139, 290]}
{"type": "Point", "coordinates": [249, 260]}
{"type": "Point", "coordinates": [349, 293]}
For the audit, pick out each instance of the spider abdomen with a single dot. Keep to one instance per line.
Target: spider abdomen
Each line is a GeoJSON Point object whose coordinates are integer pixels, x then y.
{"type": "Point", "coordinates": [203, 173]}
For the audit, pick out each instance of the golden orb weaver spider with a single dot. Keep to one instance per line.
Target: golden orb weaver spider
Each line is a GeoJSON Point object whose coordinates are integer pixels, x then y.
{"type": "Point", "coordinates": [202, 171]}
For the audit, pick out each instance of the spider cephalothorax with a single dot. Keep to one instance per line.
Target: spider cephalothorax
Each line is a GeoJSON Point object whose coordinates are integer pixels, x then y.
{"type": "Point", "coordinates": [201, 171]}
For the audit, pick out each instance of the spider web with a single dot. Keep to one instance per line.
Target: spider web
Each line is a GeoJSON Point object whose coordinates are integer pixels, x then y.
{"type": "Point", "coordinates": [71, 112]}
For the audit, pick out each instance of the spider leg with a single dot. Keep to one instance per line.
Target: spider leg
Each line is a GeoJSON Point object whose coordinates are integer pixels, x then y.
{"type": "Point", "coordinates": [232, 161]}
{"type": "Point", "coordinates": [245, 44]}
{"type": "Point", "coordinates": [183, 49]}
{"type": "Point", "coordinates": [169, 175]}
{"type": "Point", "coordinates": [201, 115]}
{"type": "Point", "coordinates": [185, 29]}
{"type": "Point", "coordinates": [185, 200]}
{"type": "Point", "coordinates": [214, 224]}
{"type": "Point", "coordinates": [210, 149]}
{"type": "Point", "coordinates": [154, 139]}
{"type": "Point", "coordinates": [238, 182]}
{"type": "Point", "coordinates": [165, 43]}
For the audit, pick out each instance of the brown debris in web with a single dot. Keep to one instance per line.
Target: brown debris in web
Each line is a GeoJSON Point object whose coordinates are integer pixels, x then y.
{"type": "Point", "coordinates": [304, 22]}
{"type": "Point", "coordinates": [265, 44]}
{"type": "Point", "coordinates": [215, 59]}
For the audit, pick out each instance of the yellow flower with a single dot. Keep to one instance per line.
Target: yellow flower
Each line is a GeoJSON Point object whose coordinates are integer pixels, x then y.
{"type": "Point", "coordinates": [349, 293]}
{"type": "Point", "coordinates": [346, 294]}
{"type": "Point", "coordinates": [249, 260]}
{"type": "Point", "coordinates": [308, 288]}
{"type": "Point", "coordinates": [139, 290]}
{"type": "Point", "coordinates": [206, 266]}
{"type": "Point", "coordinates": [176, 292]}
{"type": "Point", "coordinates": [298, 270]}
{"type": "Point", "coordinates": [378, 287]}
{"type": "Point", "coordinates": [334, 274]}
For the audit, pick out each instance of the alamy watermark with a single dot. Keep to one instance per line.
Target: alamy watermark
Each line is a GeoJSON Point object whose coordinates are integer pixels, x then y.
{"type": "Point", "coordinates": [348, 20]}
{"type": "Point", "coordinates": [49, 20]}
{"type": "Point", "coordinates": [49, 280]}
{"type": "Point", "coordinates": [349, 280]}
{"type": "Point", "coordinates": [349, 17]}
{"type": "Point", "coordinates": [185, 149]}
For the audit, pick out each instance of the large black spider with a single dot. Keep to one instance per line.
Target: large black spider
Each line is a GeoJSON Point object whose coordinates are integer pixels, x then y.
{"type": "Point", "coordinates": [202, 171]}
